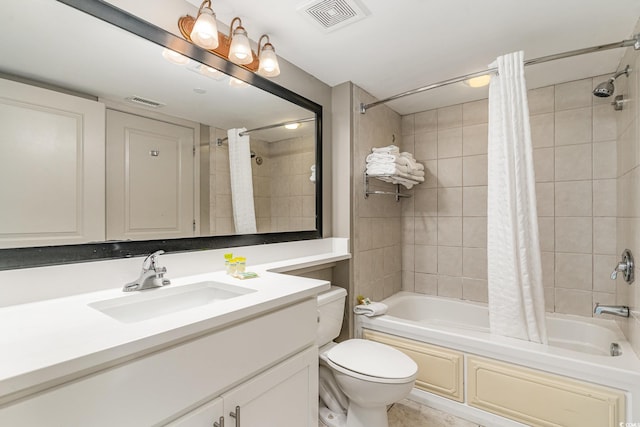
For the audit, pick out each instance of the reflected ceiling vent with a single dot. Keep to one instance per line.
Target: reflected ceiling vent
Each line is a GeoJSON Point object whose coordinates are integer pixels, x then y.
{"type": "Point", "coordinates": [144, 101]}
{"type": "Point", "coordinates": [330, 15]}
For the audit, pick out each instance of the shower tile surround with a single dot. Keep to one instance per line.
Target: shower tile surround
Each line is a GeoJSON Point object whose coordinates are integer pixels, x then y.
{"type": "Point", "coordinates": [628, 189]}
{"type": "Point", "coordinates": [444, 232]}
{"type": "Point", "coordinates": [284, 197]}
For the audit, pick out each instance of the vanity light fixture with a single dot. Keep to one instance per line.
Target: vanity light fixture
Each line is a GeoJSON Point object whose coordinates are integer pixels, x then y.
{"type": "Point", "coordinates": [479, 81]}
{"type": "Point", "coordinates": [205, 29]}
{"type": "Point", "coordinates": [240, 50]}
{"type": "Point", "coordinates": [269, 66]}
{"type": "Point", "coordinates": [236, 46]}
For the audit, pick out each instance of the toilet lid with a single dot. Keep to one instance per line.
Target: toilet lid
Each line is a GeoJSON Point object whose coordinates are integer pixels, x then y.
{"type": "Point", "coordinates": [372, 359]}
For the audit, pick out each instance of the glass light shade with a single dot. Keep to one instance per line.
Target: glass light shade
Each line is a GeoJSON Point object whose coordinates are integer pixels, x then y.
{"type": "Point", "coordinates": [210, 72]}
{"type": "Point", "coordinates": [240, 50]}
{"type": "Point", "coordinates": [269, 66]}
{"type": "Point", "coordinates": [233, 82]}
{"type": "Point", "coordinates": [479, 81]}
{"type": "Point", "coordinates": [205, 29]}
{"type": "Point", "coordinates": [174, 57]}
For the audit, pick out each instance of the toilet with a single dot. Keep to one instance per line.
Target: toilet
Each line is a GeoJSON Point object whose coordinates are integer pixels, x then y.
{"type": "Point", "coordinates": [359, 377]}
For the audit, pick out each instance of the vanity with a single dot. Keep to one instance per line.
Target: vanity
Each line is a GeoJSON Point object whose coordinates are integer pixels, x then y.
{"type": "Point", "coordinates": [209, 348]}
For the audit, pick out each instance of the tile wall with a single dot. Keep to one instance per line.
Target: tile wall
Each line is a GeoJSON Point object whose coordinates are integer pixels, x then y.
{"type": "Point", "coordinates": [376, 220]}
{"type": "Point", "coordinates": [444, 224]}
{"type": "Point", "coordinates": [628, 189]}
{"type": "Point", "coordinates": [284, 197]}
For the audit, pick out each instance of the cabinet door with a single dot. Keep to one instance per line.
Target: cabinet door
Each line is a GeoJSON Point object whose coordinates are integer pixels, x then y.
{"type": "Point", "coordinates": [204, 416]}
{"type": "Point", "coordinates": [285, 395]}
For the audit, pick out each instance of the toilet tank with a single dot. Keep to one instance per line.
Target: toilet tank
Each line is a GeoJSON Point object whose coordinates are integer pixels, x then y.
{"type": "Point", "coordinates": [330, 314]}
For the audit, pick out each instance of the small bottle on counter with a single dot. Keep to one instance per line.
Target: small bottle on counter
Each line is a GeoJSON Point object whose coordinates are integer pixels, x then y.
{"type": "Point", "coordinates": [227, 260]}
{"type": "Point", "coordinates": [241, 264]}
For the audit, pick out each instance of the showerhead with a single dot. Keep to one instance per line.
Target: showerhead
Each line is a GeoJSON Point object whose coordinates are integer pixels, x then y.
{"type": "Point", "coordinates": [606, 89]}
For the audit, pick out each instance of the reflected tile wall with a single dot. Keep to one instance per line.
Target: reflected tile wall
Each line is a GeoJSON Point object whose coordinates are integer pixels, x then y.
{"type": "Point", "coordinates": [444, 224]}
{"type": "Point", "coordinates": [284, 197]}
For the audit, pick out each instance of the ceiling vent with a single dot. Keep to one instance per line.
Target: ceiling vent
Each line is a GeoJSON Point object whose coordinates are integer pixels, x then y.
{"type": "Point", "coordinates": [331, 15]}
{"type": "Point", "coordinates": [144, 101]}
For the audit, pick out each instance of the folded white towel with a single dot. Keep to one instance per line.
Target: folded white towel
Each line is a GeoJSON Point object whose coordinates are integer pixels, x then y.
{"type": "Point", "coordinates": [385, 169]}
{"type": "Point", "coordinates": [369, 310]}
{"type": "Point", "coordinates": [397, 174]}
{"type": "Point", "coordinates": [388, 149]}
{"type": "Point", "coordinates": [381, 157]}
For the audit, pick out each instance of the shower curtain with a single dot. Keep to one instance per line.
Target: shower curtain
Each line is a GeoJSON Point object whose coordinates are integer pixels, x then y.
{"type": "Point", "coordinates": [516, 296]}
{"type": "Point", "coordinates": [244, 217]}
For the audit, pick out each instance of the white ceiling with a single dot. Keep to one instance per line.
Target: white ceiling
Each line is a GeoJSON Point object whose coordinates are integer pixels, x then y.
{"type": "Point", "coordinates": [406, 44]}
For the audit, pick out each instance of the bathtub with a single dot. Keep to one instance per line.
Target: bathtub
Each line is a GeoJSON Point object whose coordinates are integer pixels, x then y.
{"type": "Point", "coordinates": [579, 347]}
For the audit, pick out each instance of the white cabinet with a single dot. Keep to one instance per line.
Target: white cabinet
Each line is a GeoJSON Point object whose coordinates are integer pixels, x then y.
{"type": "Point", "coordinates": [285, 395]}
{"type": "Point", "coordinates": [260, 364]}
{"type": "Point", "coordinates": [204, 416]}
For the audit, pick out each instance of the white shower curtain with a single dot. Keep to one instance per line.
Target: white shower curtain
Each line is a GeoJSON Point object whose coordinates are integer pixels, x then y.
{"type": "Point", "coordinates": [516, 295]}
{"type": "Point", "coordinates": [244, 217]}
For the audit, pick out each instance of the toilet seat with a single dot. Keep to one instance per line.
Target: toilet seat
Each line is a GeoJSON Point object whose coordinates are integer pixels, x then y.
{"type": "Point", "coordinates": [371, 361]}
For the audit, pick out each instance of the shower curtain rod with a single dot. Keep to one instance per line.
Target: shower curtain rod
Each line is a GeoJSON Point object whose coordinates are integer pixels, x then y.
{"type": "Point", "coordinates": [277, 125]}
{"type": "Point", "coordinates": [635, 42]}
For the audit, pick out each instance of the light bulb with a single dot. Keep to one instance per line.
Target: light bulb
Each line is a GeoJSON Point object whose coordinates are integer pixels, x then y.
{"type": "Point", "coordinates": [240, 50]}
{"type": "Point", "coordinates": [292, 126]}
{"type": "Point", "coordinates": [205, 29]}
{"type": "Point", "coordinates": [269, 66]}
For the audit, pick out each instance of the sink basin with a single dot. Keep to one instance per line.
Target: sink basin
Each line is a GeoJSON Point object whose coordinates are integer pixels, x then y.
{"type": "Point", "coordinates": [157, 302]}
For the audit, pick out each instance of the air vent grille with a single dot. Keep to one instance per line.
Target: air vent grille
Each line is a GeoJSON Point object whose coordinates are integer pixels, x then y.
{"type": "Point", "coordinates": [333, 14]}
{"type": "Point", "coordinates": [144, 101]}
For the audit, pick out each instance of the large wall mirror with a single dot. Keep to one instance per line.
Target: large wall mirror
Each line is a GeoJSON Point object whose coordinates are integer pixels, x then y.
{"type": "Point", "coordinates": [115, 140]}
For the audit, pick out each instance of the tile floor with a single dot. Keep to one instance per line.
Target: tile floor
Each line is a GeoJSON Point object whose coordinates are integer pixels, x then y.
{"type": "Point", "coordinates": [408, 413]}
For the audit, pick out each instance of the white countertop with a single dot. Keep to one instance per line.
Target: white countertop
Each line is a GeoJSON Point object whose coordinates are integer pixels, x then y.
{"type": "Point", "coordinates": [48, 342]}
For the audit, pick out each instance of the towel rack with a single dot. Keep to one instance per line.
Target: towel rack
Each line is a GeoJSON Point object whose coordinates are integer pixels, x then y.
{"type": "Point", "coordinates": [396, 193]}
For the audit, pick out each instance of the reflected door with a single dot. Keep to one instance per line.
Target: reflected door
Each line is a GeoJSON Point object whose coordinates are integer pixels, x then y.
{"type": "Point", "coordinates": [51, 167]}
{"type": "Point", "coordinates": [150, 178]}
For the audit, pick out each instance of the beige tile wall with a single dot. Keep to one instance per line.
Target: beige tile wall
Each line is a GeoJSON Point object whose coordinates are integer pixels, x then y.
{"type": "Point", "coordinates": [284, 197]}
{"type": "Point", "coordinates": [376, 220]}
{"type": "Point", "coordinates": [628, 189]}
{"type": "Point", "coordinates": [292, 193]}
{"type": "Point", "coordinates": [444, 225]}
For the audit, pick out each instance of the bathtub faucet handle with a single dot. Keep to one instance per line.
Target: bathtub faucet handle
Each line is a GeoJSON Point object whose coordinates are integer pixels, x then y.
{"type": "Point", "coordinates": [625, 267]}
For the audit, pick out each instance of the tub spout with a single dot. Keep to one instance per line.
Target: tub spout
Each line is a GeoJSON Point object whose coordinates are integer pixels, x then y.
{"type": "Point", "coordinates": [617, 310]}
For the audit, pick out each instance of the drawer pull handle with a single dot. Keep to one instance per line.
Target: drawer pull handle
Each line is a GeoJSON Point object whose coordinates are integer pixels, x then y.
{"type": "Point", "coordinates": [236, 415]}
{"type": "Point", "coordinates": [219, 423]}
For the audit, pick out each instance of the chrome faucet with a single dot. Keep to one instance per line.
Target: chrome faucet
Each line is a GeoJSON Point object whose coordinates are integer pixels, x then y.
{"type": "Point", "coordinates": [617, 310]}
{"type": "Point", "coordinates": [152, 276]}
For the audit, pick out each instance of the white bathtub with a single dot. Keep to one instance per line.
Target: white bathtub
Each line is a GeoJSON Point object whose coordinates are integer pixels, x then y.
{"type": "Point", "coordinates": [578, 347]}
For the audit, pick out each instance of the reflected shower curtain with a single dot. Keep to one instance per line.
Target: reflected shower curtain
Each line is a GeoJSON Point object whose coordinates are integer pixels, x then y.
{"type": "Point", "coordinates": [516, 295]}
{"type": "Point", "coordinates": [244, 217]}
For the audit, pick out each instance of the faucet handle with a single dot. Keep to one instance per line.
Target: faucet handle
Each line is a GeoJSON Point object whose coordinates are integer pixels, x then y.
{"type": "Point", "coordinates": [149, 262]}
{"type": "Point", "coordinates": [626, 266]}
{"type": "Point", "coordinates": [620, 268]}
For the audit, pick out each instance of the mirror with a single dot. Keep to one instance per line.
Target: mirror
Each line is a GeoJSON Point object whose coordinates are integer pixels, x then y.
{"type": "Point", "coordinates": [183, 200]}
